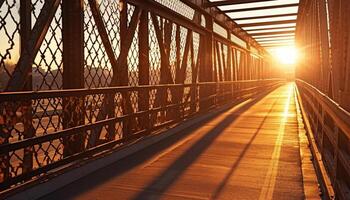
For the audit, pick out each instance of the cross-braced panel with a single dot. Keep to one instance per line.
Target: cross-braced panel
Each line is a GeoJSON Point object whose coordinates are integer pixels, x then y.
{"type": "Point", "coordinates": [47, 67]}
{"type": "Point", "coordinates": [98, 69]}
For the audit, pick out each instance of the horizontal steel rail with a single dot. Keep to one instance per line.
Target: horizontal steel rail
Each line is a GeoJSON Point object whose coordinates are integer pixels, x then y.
{"type": "Point", "coordinates": [30, 95]}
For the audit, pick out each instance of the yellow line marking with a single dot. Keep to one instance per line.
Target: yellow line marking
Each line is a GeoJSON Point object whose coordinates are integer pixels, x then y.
{"type": "Point", "coordinates": [270, 178]}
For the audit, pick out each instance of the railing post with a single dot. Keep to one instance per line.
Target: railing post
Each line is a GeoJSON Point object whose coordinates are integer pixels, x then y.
{"type": "Point", "coordinates": [248, 67]}
{"type": "Point", "coordinates": [144, 68]}
{"type": "Point", "coordinates": [206, 66]}
{"type": "Point", "coordinates": [73, 71]}
{"type": "Point", "coordinates": [229, 67]}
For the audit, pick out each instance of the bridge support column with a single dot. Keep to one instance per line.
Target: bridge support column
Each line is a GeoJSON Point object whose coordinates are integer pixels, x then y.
{"type": "Point", "coordinates": [73, 71]}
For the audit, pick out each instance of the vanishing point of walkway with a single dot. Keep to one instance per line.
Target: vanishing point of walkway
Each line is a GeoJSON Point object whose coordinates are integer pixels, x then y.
{"type": "Point", "coordinates": [251, 151]}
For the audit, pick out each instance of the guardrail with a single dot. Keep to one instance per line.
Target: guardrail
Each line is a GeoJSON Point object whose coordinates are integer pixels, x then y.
{"type": "Point", "coordinates": [330, 126]}
{"type": "Point", "coordinates": [91, 121]}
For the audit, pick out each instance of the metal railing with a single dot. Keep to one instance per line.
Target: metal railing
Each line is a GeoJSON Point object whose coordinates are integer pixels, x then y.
{"type": "Point", "coordinates": [77, 132]}
{"type": "Point", "coordinates": [81, 76]}
{"type": "Point", "coordinates": [330, 126]}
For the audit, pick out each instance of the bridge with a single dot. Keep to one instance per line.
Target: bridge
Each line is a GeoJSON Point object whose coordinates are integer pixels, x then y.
{"type": "Point", "coordinates": [174, 99]}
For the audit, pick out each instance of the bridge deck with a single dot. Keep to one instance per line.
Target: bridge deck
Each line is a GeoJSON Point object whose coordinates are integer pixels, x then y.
{"type": "Point", "coordinates": [248, 152]}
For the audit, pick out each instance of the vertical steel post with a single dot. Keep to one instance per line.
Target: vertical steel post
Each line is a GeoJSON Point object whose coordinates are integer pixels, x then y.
{"type": "Point", "coordinates": [248, 67]}
{"type": "Point", "coordinates": [345, 95]}
{"type": "Point", "coordinates": [73, 71]}
{"type": "Point", "coordinates": [206, 66]}
{"type": "Point", "coordinates": [324, 40]}
{"type": "Point", "coordinates": [229, 66]}
{"type": "Point", "coordinates": [73, 43]}
{"type": "Point", "coordinates": [25, 30]}
{"type": "Point", "coordinates": [229, 63]}
{"type": "Point", "coordinates": [122, 72]}
{"type": "Point", "coordinates": [143, 35]}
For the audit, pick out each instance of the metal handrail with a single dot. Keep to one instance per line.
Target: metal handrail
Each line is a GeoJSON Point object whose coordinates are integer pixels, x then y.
{"type": "Point", "coordinates": [332, 139]}
{"type": "Point", "coordinates": [338, 113]}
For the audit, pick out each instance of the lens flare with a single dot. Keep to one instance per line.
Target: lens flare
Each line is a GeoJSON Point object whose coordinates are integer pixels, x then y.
{"type": "Point", "coordinates": [286, 55]}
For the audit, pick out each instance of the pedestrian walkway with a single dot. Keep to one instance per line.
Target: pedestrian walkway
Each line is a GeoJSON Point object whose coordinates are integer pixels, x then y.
{"type": "Point", "coordinates": [251, 151]}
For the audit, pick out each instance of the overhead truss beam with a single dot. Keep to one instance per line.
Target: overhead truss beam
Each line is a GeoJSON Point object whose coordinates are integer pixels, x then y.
{"type": "Point", "coordinates": [276, 39]}
{"type": "Point", "coordinates": [266, 16]}
{"type": "Point", "coordinates": [277, 44]}
{"type": "Point", "coordinates": [273, 28]}
{"type": "Point", "coordinates": [271, 33]}
{"type": "Point", "coordinates": [233, 2]}
{"type": "Point", "coordinates": [261, 8]}
{"type": "Point", "coordinates": [275, 36]}
{"type": "Point", "coordinates": [268, 23]}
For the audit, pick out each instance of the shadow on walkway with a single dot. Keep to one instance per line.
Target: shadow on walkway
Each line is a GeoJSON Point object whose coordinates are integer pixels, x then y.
{"type": "Point", "coordinates": [169, 175]}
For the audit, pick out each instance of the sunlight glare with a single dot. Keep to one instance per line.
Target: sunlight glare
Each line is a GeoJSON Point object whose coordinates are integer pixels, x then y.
{"type": "Point", "coordinates": [286, 55]}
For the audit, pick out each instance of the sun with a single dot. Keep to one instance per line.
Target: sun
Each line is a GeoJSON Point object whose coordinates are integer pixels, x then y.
{"type": "Point", "coordinates": [286, 55]}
